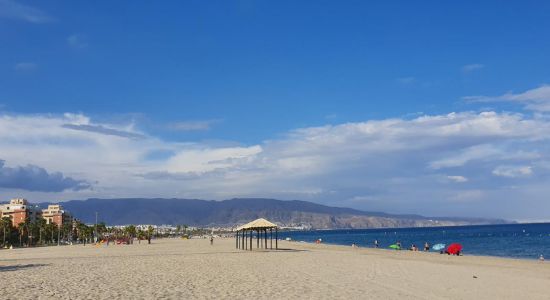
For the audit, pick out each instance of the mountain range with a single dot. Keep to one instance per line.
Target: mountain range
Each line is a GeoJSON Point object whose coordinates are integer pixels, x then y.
{"type": "Point", "coordinates": [227, 213]}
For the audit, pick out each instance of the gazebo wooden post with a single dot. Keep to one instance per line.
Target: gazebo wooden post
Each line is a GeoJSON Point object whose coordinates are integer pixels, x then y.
{"type": "Point", "coordinates": [250, 240]}
{"type": "Point", "coordinates": [271, 238]}
{"type": "Point", "coordinates": [242, 240]}
{"type": "Point", "coordinates": [258, 238]}
{"type": "Point", "coordinates": [265, 238]}
{"type": "Point", "coordinates": [276, 238]}
{"type": "Point", "coordinates": [237, 240]}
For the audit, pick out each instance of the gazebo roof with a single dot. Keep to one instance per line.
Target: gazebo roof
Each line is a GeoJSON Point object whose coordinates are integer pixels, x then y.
{"type": "Point", "coordinates": [258, 224]}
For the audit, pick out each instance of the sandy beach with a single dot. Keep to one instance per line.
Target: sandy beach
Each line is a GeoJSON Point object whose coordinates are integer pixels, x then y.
{"type": "Point", "coordinates": [176, 269]}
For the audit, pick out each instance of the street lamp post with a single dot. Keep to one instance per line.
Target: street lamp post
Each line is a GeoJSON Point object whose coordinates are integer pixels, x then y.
{"type": "Point", "coordinates": [95, 234]}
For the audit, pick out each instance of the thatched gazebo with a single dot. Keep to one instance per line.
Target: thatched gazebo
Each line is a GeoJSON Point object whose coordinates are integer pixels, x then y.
{"type": "Point", "coordinates": [259, 227]}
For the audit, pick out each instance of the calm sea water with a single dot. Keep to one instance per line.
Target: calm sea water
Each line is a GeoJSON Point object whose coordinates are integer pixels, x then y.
{"type": "Point", "coordinates": [514, 240]}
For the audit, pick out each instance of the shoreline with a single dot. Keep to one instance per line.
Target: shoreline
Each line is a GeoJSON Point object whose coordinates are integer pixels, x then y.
{"type": "Point", "coordinates": [431, 252]}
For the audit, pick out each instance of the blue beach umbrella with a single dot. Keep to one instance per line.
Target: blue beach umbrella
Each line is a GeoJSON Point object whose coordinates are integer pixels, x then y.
{"type": "Point", "coordinates": [438, 247]}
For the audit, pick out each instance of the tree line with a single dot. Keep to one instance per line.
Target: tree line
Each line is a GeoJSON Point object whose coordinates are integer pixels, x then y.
{"type": "Point", "coordinates": [40, 233]}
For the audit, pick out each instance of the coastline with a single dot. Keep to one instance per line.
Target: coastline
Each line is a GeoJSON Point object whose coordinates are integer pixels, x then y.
{"type": "Point", "coordinates": [420, 252]}
{"type": "Point", "coordinates": [518, 241]}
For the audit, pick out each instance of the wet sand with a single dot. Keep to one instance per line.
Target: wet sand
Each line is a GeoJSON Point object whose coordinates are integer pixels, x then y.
{"type": "Point", "coordinates": [193, 269]}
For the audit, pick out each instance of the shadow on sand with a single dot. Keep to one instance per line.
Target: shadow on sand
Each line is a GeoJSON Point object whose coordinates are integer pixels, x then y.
{"type": "Point", "coordinates": [275, 250]}
{"type": "Point", "coordinates": [20, 267]}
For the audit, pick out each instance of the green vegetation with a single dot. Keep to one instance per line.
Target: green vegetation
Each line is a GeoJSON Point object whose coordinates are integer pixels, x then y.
{"type": "Point", "coordinates": [39, 233]}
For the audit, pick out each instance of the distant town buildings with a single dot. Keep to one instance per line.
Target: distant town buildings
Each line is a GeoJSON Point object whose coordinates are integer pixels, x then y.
{"type": "Point", "coordinates": [56, 214]}
{"type": "Point", "coordinates": [19, 210]}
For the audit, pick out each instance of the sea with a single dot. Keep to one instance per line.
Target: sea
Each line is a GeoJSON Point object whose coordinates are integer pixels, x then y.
{"type": "Point", "coordinates": [525, 241]}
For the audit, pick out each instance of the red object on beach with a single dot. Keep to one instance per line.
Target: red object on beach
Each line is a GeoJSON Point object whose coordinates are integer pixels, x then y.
{"type": "Point", "coordinates": [454, 248]}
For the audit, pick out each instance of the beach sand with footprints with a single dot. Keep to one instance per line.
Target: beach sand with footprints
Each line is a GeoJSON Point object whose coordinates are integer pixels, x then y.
{"type": "Point", "coordinates": [186, 269]}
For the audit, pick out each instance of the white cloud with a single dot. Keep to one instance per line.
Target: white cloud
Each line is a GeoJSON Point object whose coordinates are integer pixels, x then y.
{"type": "Point", "coordinates": [467, 196]}
{"type": "Point", "coordinates": [513, 171]}
{"type": "Point", "coordinates": [394, 164]}
{"type": "Point", "coordinates": [406, 80]}
{"type": "Point", "coordinates": [457, 178]}
{"type": "Point", "coordinates": [13, 10]}
{"type": "Point", "coordinates": [77, 41]}
{"type": "Point", "coordinates": [193, 125]}
{"type": "Point", "coordinates": [471, 67]}
{"type": "Point", "coordinates": [537, 99]}
{"type": "Point", "coordinates": [25, 67]}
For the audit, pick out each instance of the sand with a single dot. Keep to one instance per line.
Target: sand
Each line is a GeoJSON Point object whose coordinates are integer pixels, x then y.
{"type": "Point", "coordinates": [193, 269]}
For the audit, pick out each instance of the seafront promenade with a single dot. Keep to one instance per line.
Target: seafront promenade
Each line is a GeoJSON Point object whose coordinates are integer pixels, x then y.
{"type": "Point", "coordinates": [187, 269]}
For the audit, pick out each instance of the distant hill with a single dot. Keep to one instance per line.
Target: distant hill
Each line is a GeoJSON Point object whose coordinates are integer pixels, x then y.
{"type": "Point", "coordinates": [295, 213]}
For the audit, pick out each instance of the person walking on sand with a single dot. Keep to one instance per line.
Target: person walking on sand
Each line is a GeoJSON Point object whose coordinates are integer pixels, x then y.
{"type": "Point", "coordinates": [375, 243]}
{"type": "Point", "coordinates": [426, 247]}
{"type": "Point", "coordinates": [211, 240]}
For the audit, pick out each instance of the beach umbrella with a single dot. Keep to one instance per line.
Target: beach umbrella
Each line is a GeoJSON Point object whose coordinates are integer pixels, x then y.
{"type": "Point", "coordinates": [438, 247]}
{"type": "Point", "coordinates": [454, 248]}
{"type": "Point", "coordinates": [394, 246]}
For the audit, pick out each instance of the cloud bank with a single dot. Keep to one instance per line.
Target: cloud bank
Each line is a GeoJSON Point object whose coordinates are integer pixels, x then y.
{"type": "Point", "coordinates": [11, 9]}
{"type": "Point", "coordinates": [471, 67]}
{"type": "Point", "coordinates": [34, 178]}
{"type": "Point", "coordinates": [468, 163]}
{"type": "Point", "coordinates": [537, 99]}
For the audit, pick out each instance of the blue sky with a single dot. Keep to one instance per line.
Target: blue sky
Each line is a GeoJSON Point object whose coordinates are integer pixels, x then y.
{"type": "Point", "coordinates": [219, 90]}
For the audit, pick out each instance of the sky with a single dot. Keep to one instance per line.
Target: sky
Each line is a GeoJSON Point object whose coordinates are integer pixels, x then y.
{"type": "Point", "coordinates": [439, 108]}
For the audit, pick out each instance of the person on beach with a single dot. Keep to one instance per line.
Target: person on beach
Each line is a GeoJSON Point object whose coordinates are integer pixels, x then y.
{"type": "Point", "coordinates": [398, 244]}
{"type": "Point", "coordinates": [375, 243]}
{"type": "Point", "coordinates": [211, 240]}
{"type": "Point", "coordinates": [426, 247]}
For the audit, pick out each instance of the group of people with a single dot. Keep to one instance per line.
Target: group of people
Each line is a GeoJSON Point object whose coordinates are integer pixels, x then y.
{"type": "Point", "coordinates": [398, 243]}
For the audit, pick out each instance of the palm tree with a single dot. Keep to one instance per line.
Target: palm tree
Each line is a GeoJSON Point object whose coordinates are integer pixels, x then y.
{"type": "Point", "coordinates": [150, 231]}
{"type": "Point", "coordinates": [42, 224]}
{"type": "Point", "coordinates": [21, 228]}
{"type": "Point", "coordinates": [101, 229]}
{"type": "Point", "coordinates": [31, 230]}
{"type": "Point", "coordinates": [140, 235]}
{"type": "Point", "coordinates": [51, 228]}
{"type": "Point", "coordinates": [131, 232]}
{"type": "Point", "coordinates": [82, 232]}
{"type": "Point", "coordinates": [5, 222]}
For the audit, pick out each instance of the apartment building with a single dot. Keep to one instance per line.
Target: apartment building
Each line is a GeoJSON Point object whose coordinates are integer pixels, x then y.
{"type": "Point", "coordinates": [56, 214]}
{"type": "Point", "coordinates": [18, 210]}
